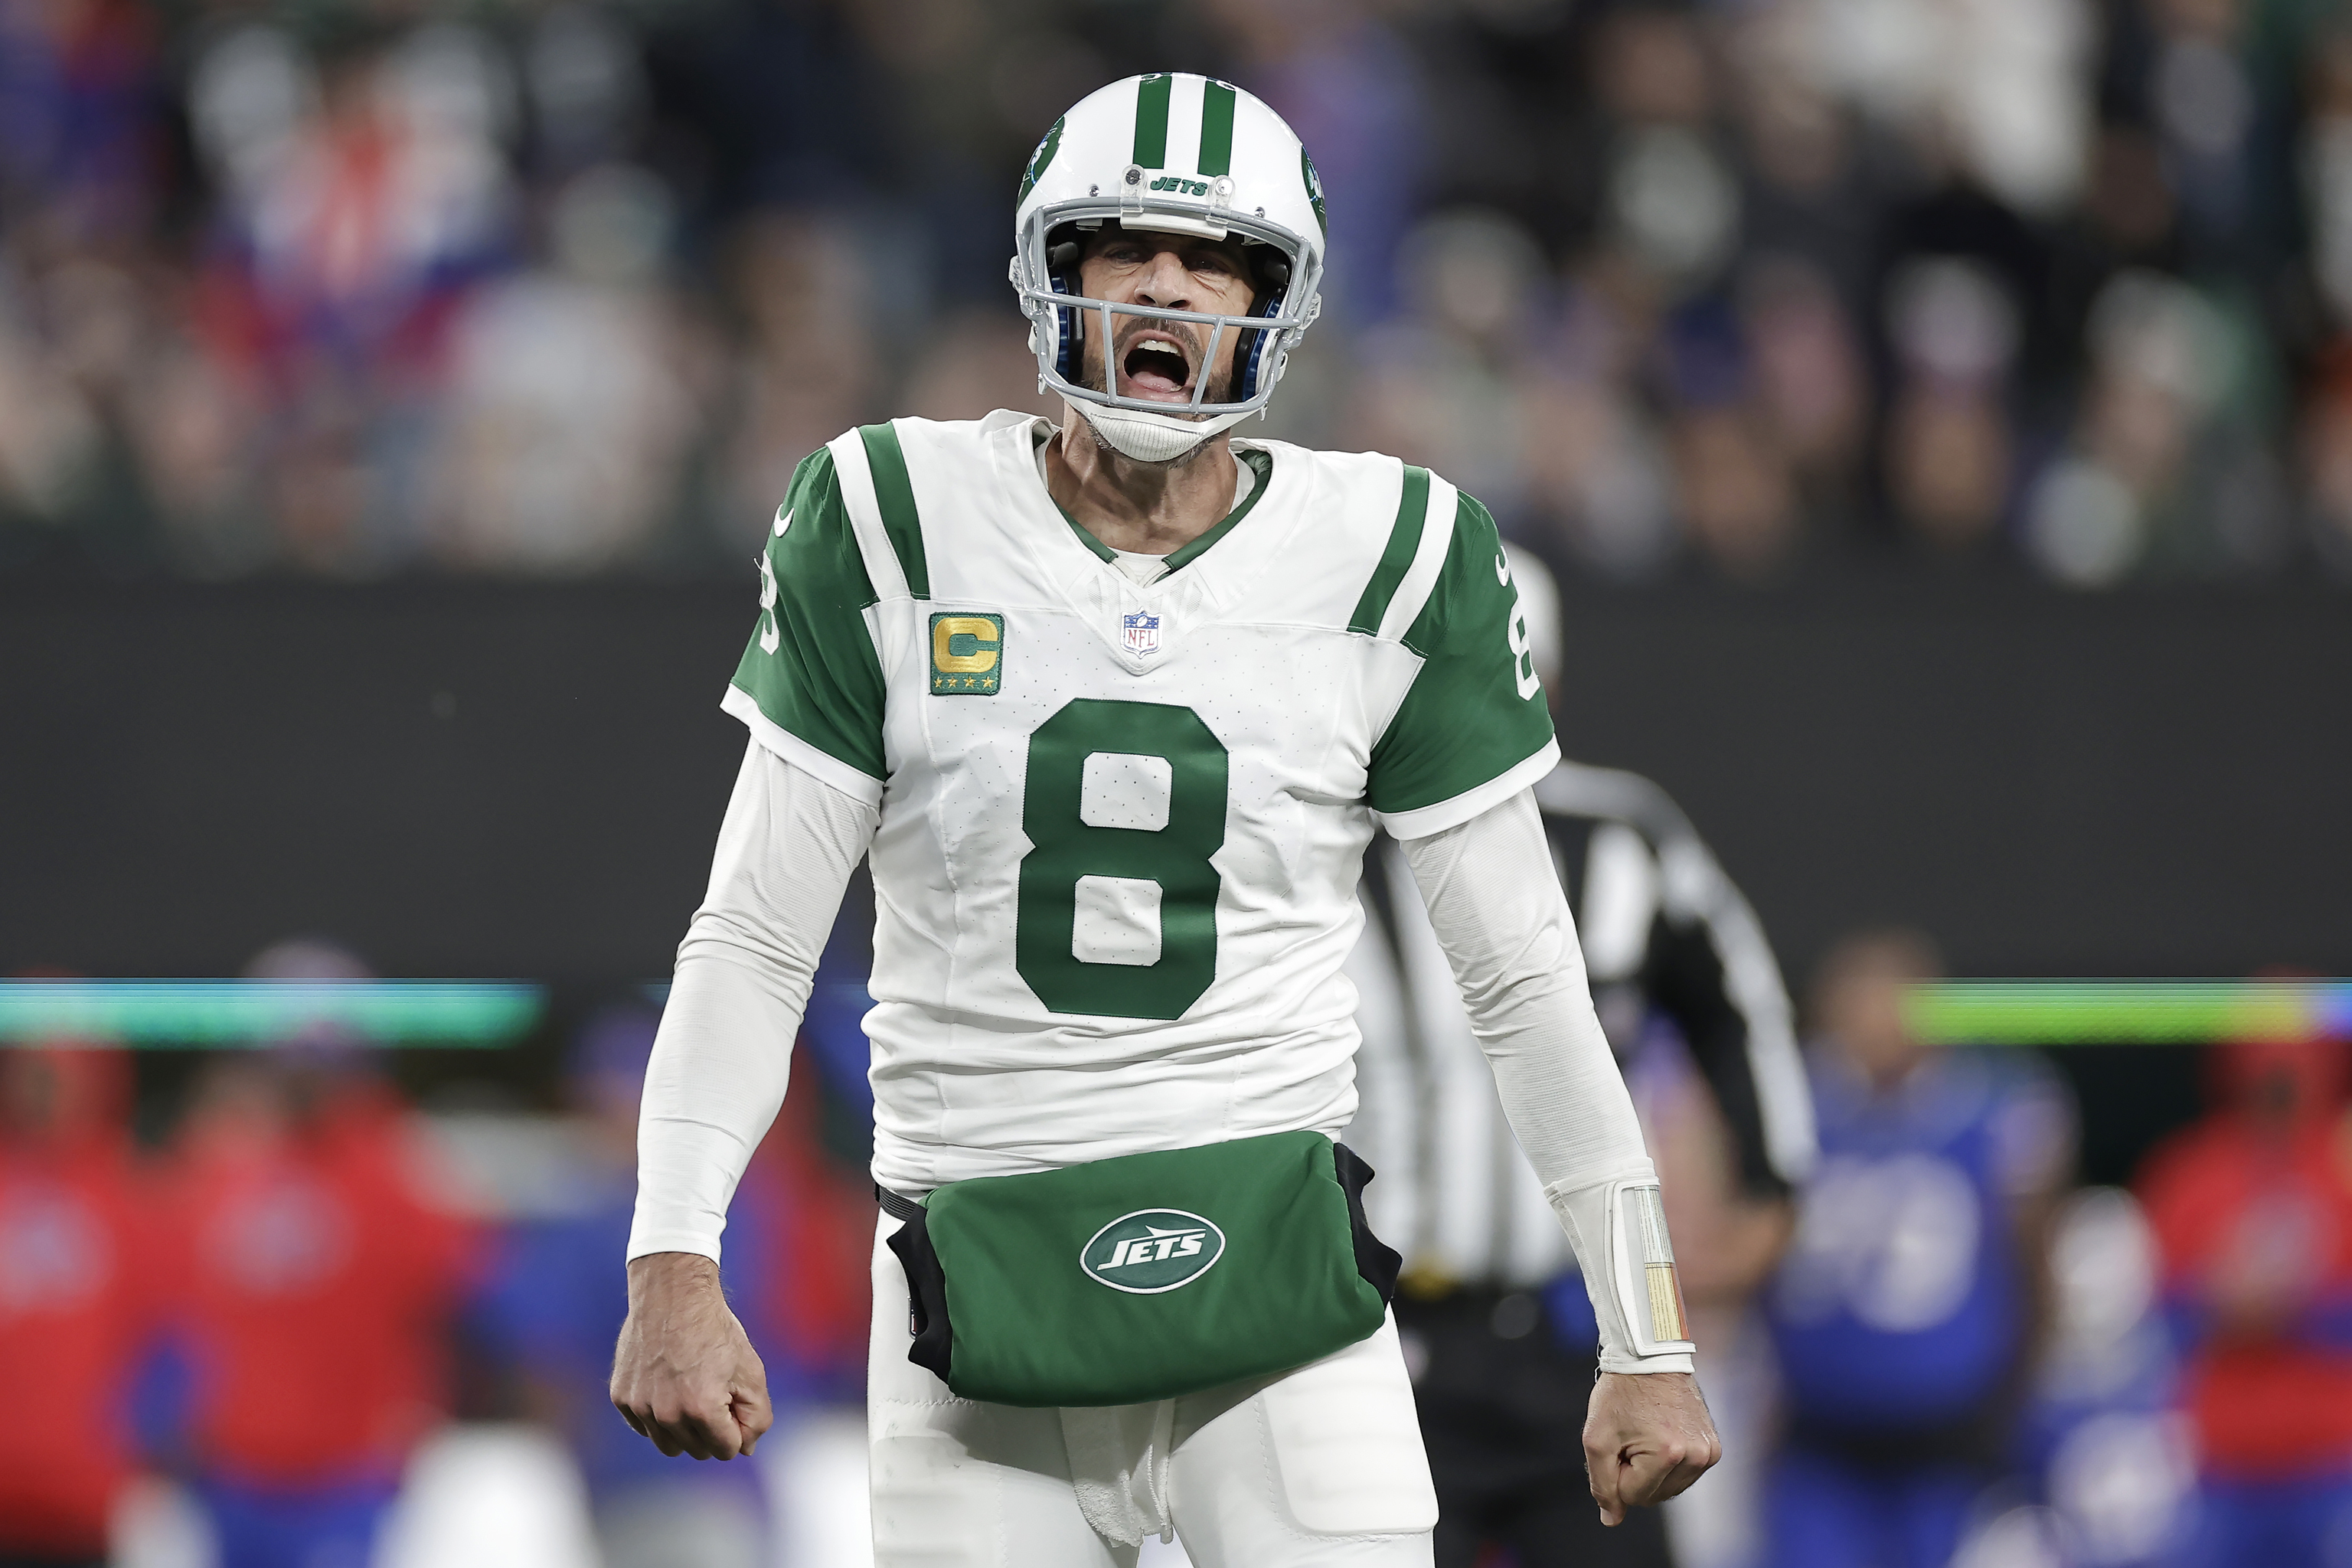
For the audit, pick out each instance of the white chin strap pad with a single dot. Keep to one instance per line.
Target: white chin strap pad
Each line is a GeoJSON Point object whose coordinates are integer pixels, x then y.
{"type": "Point", "coordinates": [1151, 437]}
{"type": "Point", "coordinates": [1619, 1229]}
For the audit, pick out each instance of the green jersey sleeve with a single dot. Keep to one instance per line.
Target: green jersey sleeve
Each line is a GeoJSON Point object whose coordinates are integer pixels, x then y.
{"type": "Point", "coordinates": [1473, 729]}
{"type": "Point", "coordinates": [810, 684]}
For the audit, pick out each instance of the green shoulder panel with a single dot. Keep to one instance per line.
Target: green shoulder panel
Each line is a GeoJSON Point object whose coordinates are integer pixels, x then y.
{"type": "Point", "coordinates": [894, 498]}
{"type": "Point", "coordinates": [811, 666]}
{"type": "Point", "coordinates": [1476, 709]}
{"type": "Point", "coordinates": [1396, 557]}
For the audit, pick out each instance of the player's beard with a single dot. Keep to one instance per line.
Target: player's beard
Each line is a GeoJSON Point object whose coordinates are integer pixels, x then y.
{"type": "Point", "coordinates": [1097, 378]}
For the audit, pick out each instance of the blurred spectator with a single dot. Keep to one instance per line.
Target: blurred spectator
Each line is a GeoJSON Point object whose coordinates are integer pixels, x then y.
{"type": "Point", "coordinates": [1908, 1313]}
{"type": "Point", "coordinates": [1437, 383]}
{"type": "Point", "coordinates": [557, 1306]}
{"type": "Point", "coordinates": [2327, 457]}
{"type": "Point", "coordinates": [2162, 472]}
{"type": "Point", "coordinates": [810, 367]}
{"type": "Point", "coordinates": [1597, 462]}
{"type": "Point", "coordinates": [573, 393]}
{"type": "Point", "coordinates": [2253, 1211]}
{"type": "Point", "coordinates": [362, 192]}
{"type": "Point", "coordinates": [1337, 72]}
{"type": "Point", "coordinates": [78, 1298]}
{"type": "Point", "coordinates": [976, 362]}
{"type": "Point", "coordinates": [2102, 1433]}
{"type": "Point", "coordinates": [1809, 379]}
{"type": "Point", "coordinates": [317, 1288]}
{"type": "Point", "coordinates": [77, 102]}
{"type": "Point", "coordinates": [1948, 461]}
{"type": "Point", "coordinates": [1674, 287]}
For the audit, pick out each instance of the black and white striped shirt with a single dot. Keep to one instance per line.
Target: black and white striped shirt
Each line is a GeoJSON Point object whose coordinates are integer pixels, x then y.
{"type": "Point", "coordinates": [1663, 930]}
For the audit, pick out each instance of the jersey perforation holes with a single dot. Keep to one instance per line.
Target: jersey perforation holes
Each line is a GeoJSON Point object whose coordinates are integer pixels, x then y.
{"type": "Point", "coordinates": [1126, 789]}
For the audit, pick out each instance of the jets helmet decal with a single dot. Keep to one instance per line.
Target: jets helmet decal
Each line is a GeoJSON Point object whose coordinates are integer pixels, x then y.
{"type": "Point", "coordinates": [1177, 153]}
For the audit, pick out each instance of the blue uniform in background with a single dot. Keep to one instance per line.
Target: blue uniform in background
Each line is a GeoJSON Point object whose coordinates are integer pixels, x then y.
{"type": "Point", "coordinates": [2101, 1434]}
{"type": "Point", "coordinates": [556, 1309]}
{"type": "Point", "coordinates": [553, 1307]}
{"type": "Point", "coordinates": [1901, 1313]}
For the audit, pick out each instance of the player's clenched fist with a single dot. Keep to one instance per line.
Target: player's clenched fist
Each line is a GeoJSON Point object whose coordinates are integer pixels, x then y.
{"type": "Point", "coordinates": [1647, 1436]}
{"type": "Point", "coordinates": [684, 1373]}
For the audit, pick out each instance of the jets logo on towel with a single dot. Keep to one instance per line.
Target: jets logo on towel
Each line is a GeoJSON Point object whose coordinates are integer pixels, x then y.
{"type": "Point", "coordinates": [1152, 1250]}
{"type": "Point", "coordinates": [1142, 633]}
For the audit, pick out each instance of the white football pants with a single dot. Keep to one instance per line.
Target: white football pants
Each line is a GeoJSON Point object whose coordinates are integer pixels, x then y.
{"type": "Point", "coordinates": [1321, 1467]}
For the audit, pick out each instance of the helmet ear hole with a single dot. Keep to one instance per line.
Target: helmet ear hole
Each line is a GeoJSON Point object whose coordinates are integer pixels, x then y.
{"type": "Point", "coordinates": [1066, 331]}
{"type": "Point", "coordinates": [1256, 361]}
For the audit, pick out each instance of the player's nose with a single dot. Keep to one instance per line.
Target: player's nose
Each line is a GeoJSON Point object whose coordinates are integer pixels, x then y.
{"type": "Point", "coordinates": [1163, 281]}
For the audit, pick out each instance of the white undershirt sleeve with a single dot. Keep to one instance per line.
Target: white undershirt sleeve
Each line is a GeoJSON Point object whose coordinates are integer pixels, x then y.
{"type": "Point", "coordinates": [724, 1053]}
{"type": "Point", "coordinates": [1500, 914]}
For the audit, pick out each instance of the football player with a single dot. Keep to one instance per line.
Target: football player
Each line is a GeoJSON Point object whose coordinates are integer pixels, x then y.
{"type": "Point", "coordinates": [1115, 708]}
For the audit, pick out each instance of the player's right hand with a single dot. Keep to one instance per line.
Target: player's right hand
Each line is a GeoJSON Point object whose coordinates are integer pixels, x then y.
{"type": "Point", "coordinates": [684, 1373]}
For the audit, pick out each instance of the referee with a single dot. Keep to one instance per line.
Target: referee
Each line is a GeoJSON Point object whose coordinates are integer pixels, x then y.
{"type": "Point", "coordinates": [1503, 1366]}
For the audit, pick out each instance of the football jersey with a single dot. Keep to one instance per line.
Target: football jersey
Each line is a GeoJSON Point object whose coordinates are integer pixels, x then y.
{"type": "Point", "coordinates": [1121, 823]}
{"type": "Point", "coordinates": [1900, 1304]}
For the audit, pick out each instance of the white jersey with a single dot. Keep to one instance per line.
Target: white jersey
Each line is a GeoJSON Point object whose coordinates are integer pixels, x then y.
{"type": "Point", "coordinates": [1122, 825]}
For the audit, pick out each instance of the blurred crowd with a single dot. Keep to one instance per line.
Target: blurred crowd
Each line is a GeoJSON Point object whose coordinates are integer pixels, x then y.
{"type": "Point", "coordinates": [288, 1284]}
{"type": "Point", "coordinates": [278, 1283]}
{"type": "Point", "coordinates": [1743, 288]}
{"type": "Point", "coordinates": [1968, 1361]}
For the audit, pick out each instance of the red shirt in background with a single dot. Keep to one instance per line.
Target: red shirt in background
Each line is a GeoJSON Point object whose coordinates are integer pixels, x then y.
{"type": "Point", "coordinates": [821, 1287]}
{"type": "Point", "coordinates": [319, 1287]}
{"type": "Point", "coordinates": [77, 1295]}
{"type": "Point", "coordinates": [2244, 1200]}
{"type": "Point", "coordinates": [76, 1299]}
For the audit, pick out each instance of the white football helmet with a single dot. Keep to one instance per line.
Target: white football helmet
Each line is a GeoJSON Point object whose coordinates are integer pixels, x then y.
{"type": "Point", "coordinates": [1180, 154]}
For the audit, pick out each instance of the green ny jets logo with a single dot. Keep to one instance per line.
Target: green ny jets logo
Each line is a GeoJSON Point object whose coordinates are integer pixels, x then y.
{"type": "Point", "coordinates": [1039, 162]}
{"type": "Point", "coordinates": [1152, 1251]}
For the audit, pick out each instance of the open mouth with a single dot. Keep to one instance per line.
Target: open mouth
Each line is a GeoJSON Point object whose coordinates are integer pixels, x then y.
{"type": "Point", "coordinates": [1154, 364]}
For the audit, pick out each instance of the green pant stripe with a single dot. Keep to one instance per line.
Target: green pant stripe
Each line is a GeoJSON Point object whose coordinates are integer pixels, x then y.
{"type": "Point", "coordinates": [1217, 129]}
{"type": "Point", "coordinates": [1405, 539]}
{"type": "Point", "coordinates": [1151, 121]}
{"type": "Point", "coordinates": [894, 493]}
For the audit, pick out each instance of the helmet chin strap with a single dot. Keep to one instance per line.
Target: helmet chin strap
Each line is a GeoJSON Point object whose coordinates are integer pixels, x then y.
{"type": "Point", "coordinates": [1152, 438]}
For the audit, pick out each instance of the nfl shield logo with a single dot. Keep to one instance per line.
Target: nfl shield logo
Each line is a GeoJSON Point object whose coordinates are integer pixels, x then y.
{"type": "Point", "coordinates": [1142, 632]}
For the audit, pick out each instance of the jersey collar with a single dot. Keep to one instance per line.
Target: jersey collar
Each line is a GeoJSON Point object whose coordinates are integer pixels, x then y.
{"type": "Point", "coordinates": [1261, 465]}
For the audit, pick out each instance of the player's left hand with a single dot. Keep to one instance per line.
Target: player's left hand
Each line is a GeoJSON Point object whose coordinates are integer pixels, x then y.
{"type": "Point", "coordinates": [1647, 1436]}
{"type": "Point", "coordinates": [685, 1374]}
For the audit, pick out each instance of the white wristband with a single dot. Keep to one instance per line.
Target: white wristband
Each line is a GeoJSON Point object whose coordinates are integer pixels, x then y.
{"type": "Point", "coordinates": [1619, 1229]}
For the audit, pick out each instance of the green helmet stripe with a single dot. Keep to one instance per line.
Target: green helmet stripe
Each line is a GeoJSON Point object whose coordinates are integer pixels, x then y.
{"type": "Point", "coordinates": [1217, 129]}
{"type": "Point", "coordinates": [1151, 119]}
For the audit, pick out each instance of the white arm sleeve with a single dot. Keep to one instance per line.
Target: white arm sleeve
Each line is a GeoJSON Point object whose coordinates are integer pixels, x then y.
{"type": "Point", "coordinates": [1502, 919]}
{"type": "Point", "coordinates": [724, 1053]}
